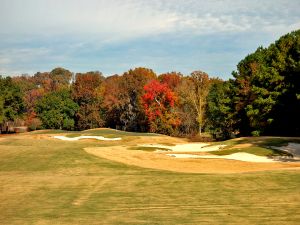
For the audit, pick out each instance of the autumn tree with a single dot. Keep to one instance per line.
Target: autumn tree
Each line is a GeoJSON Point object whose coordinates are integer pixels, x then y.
{"type": "Point", "coordinates": [112, 103]}
{"type": "Point", "coordinates": [199, 91]}
{"type": "Point", "coordinates": [185, 108]}
{"type": "Point", "coordinates": [24, 82]}
{"type": "Point", "coordinates": [132, 83]}
{"type": "Point", "coordinates": [32, 92]}
{"type": "Point", "coordinates": [43, 81]}
{"type": "Point", "coordinates": [87, 93]}
{"type": "Point", "coordinates": [159, 102]}
{"type": "Point", "coordinates": [172, 79]}
{"type": "Point", "coordinates": [60, 78]}
{"type": "Point", "coordinates": [31, 98]}
{"type": "Point", "coordinates": [122, 99]}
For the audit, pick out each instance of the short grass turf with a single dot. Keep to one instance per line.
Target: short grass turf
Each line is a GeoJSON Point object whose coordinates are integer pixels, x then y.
{"type": "Point", "coordinates": [57, 182]}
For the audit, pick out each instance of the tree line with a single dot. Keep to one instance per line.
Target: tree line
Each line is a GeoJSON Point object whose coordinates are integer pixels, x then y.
{"type": "Point", "coordinates": [262, 98]}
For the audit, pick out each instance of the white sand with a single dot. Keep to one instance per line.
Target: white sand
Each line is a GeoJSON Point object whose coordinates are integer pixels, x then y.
{"type": "Point", "coordinates": [86, 137]}
{"type": "Point", "coordinates": [241, 156]}
{"type": "Point", "coordinates": [293, 148]}
{"type": "Point", "coordinates": [191, 147]}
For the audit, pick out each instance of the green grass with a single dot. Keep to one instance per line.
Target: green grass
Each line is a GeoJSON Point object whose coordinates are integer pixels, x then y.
{"type": "Point", "coordinates": [262, 141]}
{"type": "Point", "coordinates": [108, 133]}
{"type": "Point", "coordinates": [149, 149]}
{"type": "Point", "coordinates": [56, 182]}
{"type": "Point", "coordinates": [50, 132]}
{"type": "Point", "coordinates": [260, 146]}
{"type": "Point", "coordinates": [260, 151]}
{"type": "Point", "coordinates": [115, 133]}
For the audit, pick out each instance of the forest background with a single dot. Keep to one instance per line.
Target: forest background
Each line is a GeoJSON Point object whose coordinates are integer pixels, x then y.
{"type": "Point", "coordinates": [262, 98]}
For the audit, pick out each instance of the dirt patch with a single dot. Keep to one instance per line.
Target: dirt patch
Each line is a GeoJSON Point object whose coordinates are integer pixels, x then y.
{"type": "Point", "coordinates": [163, 162]}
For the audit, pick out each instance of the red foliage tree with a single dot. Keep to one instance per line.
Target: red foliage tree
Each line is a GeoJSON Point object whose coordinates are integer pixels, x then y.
{"type": "Point", "coordinates": [158, 102]}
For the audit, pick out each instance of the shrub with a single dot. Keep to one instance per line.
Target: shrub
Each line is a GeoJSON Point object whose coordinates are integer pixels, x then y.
{"type": "Point", "coordinates": [255, 133]}
{"type": "Point", "coordinates": [34, 124]}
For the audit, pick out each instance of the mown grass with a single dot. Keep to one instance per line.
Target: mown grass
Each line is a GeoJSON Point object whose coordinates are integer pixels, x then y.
{"type": "Point", "coordinates": [57, 182]}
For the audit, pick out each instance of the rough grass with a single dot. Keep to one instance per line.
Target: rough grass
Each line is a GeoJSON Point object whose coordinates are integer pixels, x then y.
{"type": "Point", "coordinates": [56, 182]}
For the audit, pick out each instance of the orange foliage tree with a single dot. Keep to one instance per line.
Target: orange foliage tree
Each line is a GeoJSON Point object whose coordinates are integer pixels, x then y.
{"type": "Point", "coordinates": [87, 93]}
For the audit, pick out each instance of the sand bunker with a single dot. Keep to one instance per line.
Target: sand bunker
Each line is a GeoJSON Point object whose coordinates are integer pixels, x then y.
{"type": "Point", "coordinates": [241, 156]}
{"type": "Point", "coordinates": [190, 147]}
{"type": "Point", "coordinates": [292, 148]}
{"type": "Point", "coordinates": [86, 137]}
{"type": "Point", "coordinates": [161, 161]}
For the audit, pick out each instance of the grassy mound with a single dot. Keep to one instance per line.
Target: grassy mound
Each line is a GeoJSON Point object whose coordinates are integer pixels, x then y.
{"type": "Point", "coordinates": [105, 132]}
{"type": "Point", "coordinates": [261, 146]}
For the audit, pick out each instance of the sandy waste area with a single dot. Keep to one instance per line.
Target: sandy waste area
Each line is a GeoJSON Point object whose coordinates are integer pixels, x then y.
{"type": "Point", "coordinates": [191, 158]}
{"type": "Point", "coordinates": [202, 147]}
{"type": "Point", "coordinates": [184, 157]}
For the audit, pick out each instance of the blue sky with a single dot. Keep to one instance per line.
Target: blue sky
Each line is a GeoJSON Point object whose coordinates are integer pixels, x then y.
{"type": "Point", "coordinates": [113, 36]}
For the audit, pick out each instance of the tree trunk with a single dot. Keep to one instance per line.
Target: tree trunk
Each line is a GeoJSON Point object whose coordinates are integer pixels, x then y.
{"type": "Point", "coordinates": [200, 115]}
{"type": "Point", "coordinates": [200, 129]}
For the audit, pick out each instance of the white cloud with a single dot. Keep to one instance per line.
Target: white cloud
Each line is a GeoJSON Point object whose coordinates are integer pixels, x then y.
{"type": "Point", "coordinates": [40, 34]}
{"type": "Point", "coordinates": [27, 60]}
{"type": "Point", "coordinates": [8, 56]}
{"type": "Point", "coordinates": [83, 18]}
{"type": "Point", "coordinates": [127, 19]}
